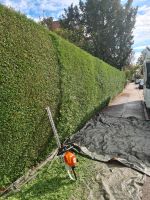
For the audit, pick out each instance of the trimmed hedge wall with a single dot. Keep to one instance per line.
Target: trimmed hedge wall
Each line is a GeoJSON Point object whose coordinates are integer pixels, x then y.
{"type": "Point", "coordinates": [38, 68]}
{"type": "Point", "coordinates": [87, 84]}
{"type": "Point", "coordinates": [29, 81]}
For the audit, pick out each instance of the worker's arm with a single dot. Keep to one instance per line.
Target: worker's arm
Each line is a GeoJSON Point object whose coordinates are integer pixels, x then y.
{"type": "Point", "coordinates": [76, 148]}
{"type": "Point", "coordinates": [71, 146]}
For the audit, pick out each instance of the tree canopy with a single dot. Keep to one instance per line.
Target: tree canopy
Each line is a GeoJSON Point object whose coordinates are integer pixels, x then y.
{"type": "Point", "coordinates": [103, 28]}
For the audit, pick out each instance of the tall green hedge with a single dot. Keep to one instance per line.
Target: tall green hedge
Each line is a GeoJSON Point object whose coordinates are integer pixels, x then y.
{"type": "Point", "coordinates": [38, 68]}
{"type": "Point", "coordinates": [29, 81]}
{"type": "Point", "coordinates": [87, 84]}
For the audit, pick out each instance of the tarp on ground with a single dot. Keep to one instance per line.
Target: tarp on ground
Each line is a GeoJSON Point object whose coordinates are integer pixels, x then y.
{"type": "Point", "coordinates": [127, 140]}
{"type": "Point", "coordinates": [124, 139]}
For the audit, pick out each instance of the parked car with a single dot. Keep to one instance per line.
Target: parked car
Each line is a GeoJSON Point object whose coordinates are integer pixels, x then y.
{"type": "Point", "coordinates": [137, 81]}
{"type": "Point", "coordinates": [141, 83]}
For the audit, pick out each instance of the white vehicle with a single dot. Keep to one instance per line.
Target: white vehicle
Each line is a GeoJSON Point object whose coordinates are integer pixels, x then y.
{"type": "Point", "coordinates": [146, 70]}
{"type": "Point", "coordinates": [137, 81]}
{"type": "Point", "coordinates": [141, 83]}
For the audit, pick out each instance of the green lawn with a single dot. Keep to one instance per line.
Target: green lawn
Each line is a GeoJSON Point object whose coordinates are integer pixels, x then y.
{"type": "Point", "coordinates": [53, 183]}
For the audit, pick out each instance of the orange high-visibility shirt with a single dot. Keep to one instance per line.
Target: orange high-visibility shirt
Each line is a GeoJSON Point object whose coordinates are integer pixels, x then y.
{"type": "Point", "coordinates": [70, 159]}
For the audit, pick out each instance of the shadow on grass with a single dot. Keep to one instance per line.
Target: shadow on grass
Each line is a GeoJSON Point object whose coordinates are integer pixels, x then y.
{"type": "Point", "coordinates": [43, 187]}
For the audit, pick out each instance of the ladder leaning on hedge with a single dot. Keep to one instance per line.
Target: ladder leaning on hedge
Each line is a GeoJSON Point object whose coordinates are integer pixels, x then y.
{"type": "Point", "coordinates": [53, 127]}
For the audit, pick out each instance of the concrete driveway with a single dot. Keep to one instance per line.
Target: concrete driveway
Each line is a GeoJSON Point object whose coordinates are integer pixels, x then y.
{"type": "Point", "coordinates": [128, 103]}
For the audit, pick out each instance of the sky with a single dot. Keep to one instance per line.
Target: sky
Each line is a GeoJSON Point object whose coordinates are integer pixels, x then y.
{"type": "Point", "coordinates": [37, 9]}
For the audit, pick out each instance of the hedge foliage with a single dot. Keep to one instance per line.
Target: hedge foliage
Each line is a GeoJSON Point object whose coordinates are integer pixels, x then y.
{"type": "Point", "coordinates": [38, 68]}
{"type": "Point", "coordinates": [29, 81]}
{"type": "Point", "coordinates": [87, 84]}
